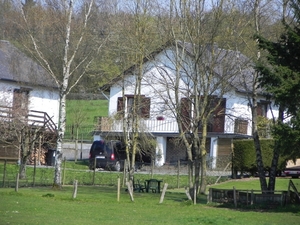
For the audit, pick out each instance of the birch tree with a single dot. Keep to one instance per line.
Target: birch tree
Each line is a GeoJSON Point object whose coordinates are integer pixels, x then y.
{"type": "Point", "coordinates": [62, 28]}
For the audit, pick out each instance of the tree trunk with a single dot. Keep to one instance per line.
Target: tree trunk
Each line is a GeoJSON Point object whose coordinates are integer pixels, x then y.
{"type": "Point", "coordinates": [191, 178]}
{"type": "Point", "coordinates": [22, 169]}
{"type": "Point", "coordinates": [259, 163]}
{"type": "Point", "coordinates": [273, 170]}
{"type": "Point", "coordinates": [203, 169]}
{"type": "Point", "coordinates": [276, 153]}
{"type": "Point", "coordinates": [61, 131]}
{"type": "Point", "coordinates": [203, 157]}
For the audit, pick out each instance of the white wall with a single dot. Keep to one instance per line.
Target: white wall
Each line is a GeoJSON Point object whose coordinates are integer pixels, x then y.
{"type": "Point", "coordinates": [40, 98]}
{"type": "Point", "coordinates": [237, 106]}
{"type": "Point", "coordinates": [161, 151]}
{"type": "Point", "coordinates": [46, 101]}
{"type": "Point", "coordinates": [6, 96]}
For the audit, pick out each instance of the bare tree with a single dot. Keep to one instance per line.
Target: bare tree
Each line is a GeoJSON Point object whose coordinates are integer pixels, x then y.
{"type": "Point", "coordinates": [141, 38]}
{"type": "Point", "coordinates": [61, 28]}
{"type": "Point", "coordinates": [19, 131]}
{"type": "Point", "coordinates": [203, 73]}
{"type": "Point", "coordinates": [264, 15]}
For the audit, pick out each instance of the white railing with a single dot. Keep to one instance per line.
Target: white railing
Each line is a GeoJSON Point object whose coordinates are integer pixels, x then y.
{"type": "Point", "coordinates": [166, 126]}
{"type": "Point", "coordinates": [107, 124]}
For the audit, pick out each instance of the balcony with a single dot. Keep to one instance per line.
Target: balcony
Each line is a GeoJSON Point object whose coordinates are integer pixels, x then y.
{"type": "Point", "coordinates": [32, 118]}
{"type": "Point", "coordinates": [106, 124]}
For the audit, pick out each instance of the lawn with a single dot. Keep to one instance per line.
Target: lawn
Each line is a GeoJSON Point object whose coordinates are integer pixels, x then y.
{"type": "Point", "coordinates": [85, 111]}
{"type": "Point", "coordinates": [99, 205]}
{"type": "Point", "coordinates": [282, 184]}
{"type": "Point", "coordinates": [82, 114]}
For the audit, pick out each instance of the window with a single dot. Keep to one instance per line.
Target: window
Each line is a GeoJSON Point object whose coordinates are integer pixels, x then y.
{"type": "Point", "coordinates": [217, 119]}
{"type": "Point", "coordinates": [21, 101]}
{"type": "Point", "coordinates": [240, 126]}
{"type": "Point", "coordinates": [143, 108]}
{"type": "Point", "coordinates": [262, 108]}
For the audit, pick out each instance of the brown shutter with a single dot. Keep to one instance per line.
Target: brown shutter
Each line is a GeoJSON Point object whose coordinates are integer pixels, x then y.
{"type": "Point", "coordinates": [120, 106]}
{"type": "Point", "coordinates": [240, 126]}
{"type": "Point", "coordinates": [145, 110]}
{"type": "Point", "coordinates": [261, 109]}
{"type": "Point", "coordinates": [219, 116]}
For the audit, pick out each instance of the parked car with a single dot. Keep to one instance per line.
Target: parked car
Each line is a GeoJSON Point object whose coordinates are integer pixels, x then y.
{"type": "Point", "coordinates": [107, 155]}
{"type": "Point", "coordinates": [293, 172]}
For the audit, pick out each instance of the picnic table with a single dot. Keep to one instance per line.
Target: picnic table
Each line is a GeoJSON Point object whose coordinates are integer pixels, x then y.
{"type": "Point", "coordinates": [153, 185]}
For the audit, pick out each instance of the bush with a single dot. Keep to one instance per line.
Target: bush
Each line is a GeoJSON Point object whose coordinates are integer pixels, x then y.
{"type": "Point", "coordinates": [244, 155]}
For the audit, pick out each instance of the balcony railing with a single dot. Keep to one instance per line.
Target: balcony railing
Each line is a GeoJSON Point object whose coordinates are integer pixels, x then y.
{"type": "Point", "coordinates": [32, 118]}
{"type": "Point", "coordinates": [107, 124]}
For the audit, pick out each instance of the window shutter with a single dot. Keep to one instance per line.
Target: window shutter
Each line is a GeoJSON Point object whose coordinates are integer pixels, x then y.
{"type": "Point", "coordinates": [240, 126]}
{"type": "Point", "coordinates": [219, 116]}
{"type": "Point", "coordinates": [145, 109]}
{"type": "Point", "coordinates": [261, 109]}
{"type": "Point", "coordinates": [120, 106]}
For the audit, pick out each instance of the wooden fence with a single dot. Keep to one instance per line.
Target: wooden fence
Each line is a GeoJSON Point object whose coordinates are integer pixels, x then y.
{"type": "Point", "coordinates": [248, 197]}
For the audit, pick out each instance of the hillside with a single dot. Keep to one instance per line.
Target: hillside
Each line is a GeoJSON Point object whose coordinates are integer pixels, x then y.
{"type": "Point", "coordinates": [83, 114]}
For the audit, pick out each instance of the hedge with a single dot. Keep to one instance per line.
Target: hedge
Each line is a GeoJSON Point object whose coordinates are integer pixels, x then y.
{"type": "Point", "coordinates": [244, 155]}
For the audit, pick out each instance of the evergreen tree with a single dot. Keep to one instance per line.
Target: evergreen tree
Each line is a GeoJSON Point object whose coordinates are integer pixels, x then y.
{"type": "Point", "coordinates": [280, 76]}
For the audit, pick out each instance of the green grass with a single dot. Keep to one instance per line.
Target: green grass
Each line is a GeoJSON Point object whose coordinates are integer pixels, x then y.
{"type": "Point", "coordinates": [85, 111]}
{"type": "Point", "coordinates": [99, 205]}
{"type": "Point", "coordinates": [254, 184]}
{"type": "Point", "coordinates": [79, 171]}
{"type": "Point", "coordinates": [81, 114]}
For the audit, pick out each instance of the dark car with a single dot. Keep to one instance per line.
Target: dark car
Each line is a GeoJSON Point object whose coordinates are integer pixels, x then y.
{"type": "Point", "coordinates": [294, 171]}
{"type": "Point", "coordinates": [107, 155]}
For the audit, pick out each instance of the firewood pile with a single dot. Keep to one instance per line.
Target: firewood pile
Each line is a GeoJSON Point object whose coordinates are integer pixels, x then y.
{"type": "Point", "coordinates": [38, 156]}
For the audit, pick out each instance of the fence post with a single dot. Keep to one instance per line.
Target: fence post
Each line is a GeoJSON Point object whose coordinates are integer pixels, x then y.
{"type": "Point", "coordinates": [119, 189]}
{"type": "Point", "coordinates": [124, 173]}
{"type": "Point", "coordinates": [75, 188]}
{"type": "Point", "coordinates": [34, 169]}
{"type": "Point", "coordinates": [17, 183]}
{"type": "Point", "coordinates": [178, 174]}
{"type": "Point", "coordinates": [152, 167]}
{"type": "Point", "coordinates": [195, 194]}
{"type": "Point", "coordinates": [4, 173]}
{"type": "Point", "coordinates": [81, 146]}
{"type": "Point", "coordinates": [247, 198]}
{"type": "Point", "coordinates": [252, 197]}
{"type": "Point", "coordinates": [209, 197]}
{"type": "Point", "coordinates": [234, 197]}
{"type": "Point", "coordinates": [94, 174]}
{"type": "Point", "coordinates": [163, 193]}
{"type": "Point", "coordinates": [64, 171]}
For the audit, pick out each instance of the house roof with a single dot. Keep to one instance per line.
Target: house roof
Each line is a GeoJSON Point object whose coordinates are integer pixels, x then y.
{"type": "Point", "coordinates": [235, 61]}
{"type": "Point", "coordinates": [15, 66]}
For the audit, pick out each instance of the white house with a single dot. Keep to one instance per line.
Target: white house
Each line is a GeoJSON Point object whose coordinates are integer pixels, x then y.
{"type": "Point", "coordinates": [27, 87]}
{"type": "Point", "coordinates": [160, 71]}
